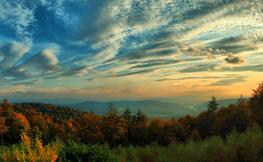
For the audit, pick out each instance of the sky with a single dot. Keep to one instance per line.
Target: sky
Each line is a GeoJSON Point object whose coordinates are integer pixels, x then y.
{"type": "Point", "coordinates": [130, 49]}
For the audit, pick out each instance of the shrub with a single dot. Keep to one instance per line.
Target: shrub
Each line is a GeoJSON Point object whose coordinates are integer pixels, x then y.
{"type": "Point", "coordinates": [79, 152]}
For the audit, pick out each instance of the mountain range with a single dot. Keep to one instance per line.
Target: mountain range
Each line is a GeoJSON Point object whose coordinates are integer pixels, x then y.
{"type": "Point", "coordinates": [149, 107]}
{"type": "Point", "coordinates": [152, 108]}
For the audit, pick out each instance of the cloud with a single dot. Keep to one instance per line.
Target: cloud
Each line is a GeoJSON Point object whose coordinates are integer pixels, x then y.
{"type": "Point", "coordinates": [230, 18]}
{"type": "Point", "coordinates": [47, 57]}
{"type": "Point", "coordinates": [231, 59]}
{"type": "Point", "coordinates": [254, 68]}
{"type": "Point", "coordinates": [234, 44]}
{"type": "Point", "coordinates": [77, 71]}
{"type": "Point", "coordinates": [13, 90]}
{"type": "Point", "coordinates": [45, 62]}
{"type": "Point", "coordinates": [18, 17]}
{"type": "Point", "coordinates": [198, 48]}
{"type": "Point", "coordinates": [153, 63]}
{"type": "Point", "coordinates": [227, 82]}
{"type": "Point", "coordinates": [11, 53]}
{"type": "Point", "coordinates": [118, 21]}
{"type": "Point", "coordinates": [192, 77]}
{"type": "Point", "coordinates": [141, 54]}
{"type": "Point", "coordinates": [128, 73]}
{"type": "Point", "coordinates": [199, 68]}
{"type": "Point", "coordinates": [17, 73]}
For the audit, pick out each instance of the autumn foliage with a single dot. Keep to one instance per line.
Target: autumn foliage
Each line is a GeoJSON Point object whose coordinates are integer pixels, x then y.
{"type": "Point", "coordinates": [38, 132]}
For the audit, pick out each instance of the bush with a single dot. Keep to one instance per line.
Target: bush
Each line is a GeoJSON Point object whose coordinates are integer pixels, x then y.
{"type": "Point", "coordinates": [79, 152]}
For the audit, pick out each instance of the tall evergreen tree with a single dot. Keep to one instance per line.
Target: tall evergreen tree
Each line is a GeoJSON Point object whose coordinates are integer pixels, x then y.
{"type": "Point", "coordinates": [212, 104]}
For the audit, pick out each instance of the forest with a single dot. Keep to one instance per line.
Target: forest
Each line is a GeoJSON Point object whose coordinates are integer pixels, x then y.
{"type": "Point", "coordinates": [33, 132]}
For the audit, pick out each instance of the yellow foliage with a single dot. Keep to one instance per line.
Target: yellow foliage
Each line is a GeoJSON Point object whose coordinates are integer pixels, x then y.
{"type": "Point", "coordinates": [31, 151]}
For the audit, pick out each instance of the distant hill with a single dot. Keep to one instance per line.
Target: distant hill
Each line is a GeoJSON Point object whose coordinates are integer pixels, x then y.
{"type": "Point", "coordinates": [58, 113]}
{"type": "Point", "coordinates": [222, 103]}
{"type": "Point", "coordinates": [149, 107]}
